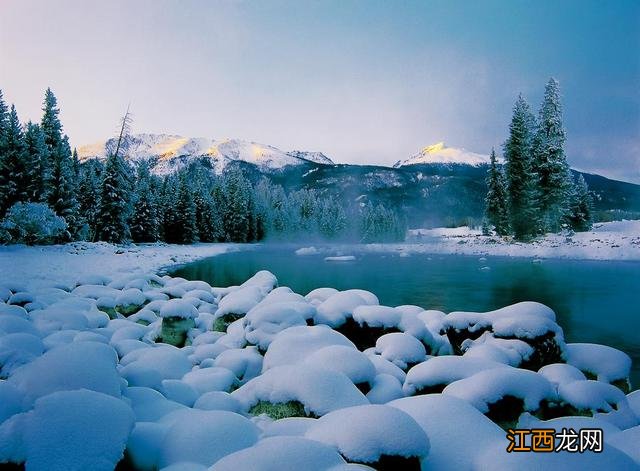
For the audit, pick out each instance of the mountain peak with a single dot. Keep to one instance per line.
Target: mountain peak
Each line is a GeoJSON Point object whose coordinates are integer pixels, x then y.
{"type": "Point", "coordinates": [439, 153]}
{"type": "Point", "coordinates": [170, 152]}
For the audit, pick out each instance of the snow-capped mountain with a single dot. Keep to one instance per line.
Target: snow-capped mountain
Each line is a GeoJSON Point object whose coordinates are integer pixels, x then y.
{"type": "Point", "coordinates": [441, 154]}
{"type": "Point", "coordinates": [170, 152]}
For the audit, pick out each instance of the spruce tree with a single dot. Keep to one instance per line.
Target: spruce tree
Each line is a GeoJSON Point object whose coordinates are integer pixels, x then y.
{"type": "Point", "coordinates": [186, 209]}
{"type": "Point", "coordinates": [555, 183]}
{"type": "Point", "coordinates": [37, 159]}
{"type": "Point", "coordinates": [144, 224]}
{"type": "Point", "coordinates": [208, 219]}
{"type": "Point", "coordinates": [4, 121]}
{"type": "Point", "coordinates": [236, 212]}
{"type": "Point", "coordinates": [114, 209]}
{"type": "Point", "coordinates": [13, 170]}
{"type": "Point", "coordinates": [60, 186]}
{"type": "Point", "coordinates": [580, 214]}
{"type": "Point", "coordinates": [496, 212]}
{"type": "Point", "coordinates": [89, 187]}
{"type": "Point", "coordinates": [520, 177]}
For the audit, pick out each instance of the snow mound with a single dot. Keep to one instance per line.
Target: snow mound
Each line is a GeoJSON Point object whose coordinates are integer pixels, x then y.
{"type": "Point", "coordinates": [68, 430]}
{"type": "Point", "coordinates": [457, 432]}
{"type": "Point", "coordinates": [296, 343]}
{"type": "Point", "coordinates": [319, 390]}
{"type": "Point", "coordinates": [347, 360]}
{"type": "Point", "coordinates": [606, 363]}
{"type": "Point", "coordinates": [282, 453]}
{"type": "Point", "coordinates": [401, 349]}
{"type": "Point", "coordinates": [438, 372]}
{"type": "Point", "coordinates": [79, 365]}
{"type": "Point", "coordinates": [366, 433]}
{"type": "Point", "coordinates": [489, 386]}
{"type": "Point", "coordinates": [178, 308]}
{"type": "Point", "coordinates": [335, 310]}
{"type": "Point", "coordinates": [205, 437]}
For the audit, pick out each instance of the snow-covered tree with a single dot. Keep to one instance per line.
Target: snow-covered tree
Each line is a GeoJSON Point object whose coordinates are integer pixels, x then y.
{"type": "Point", "coordinates": [37, 159]}
{"type": "Point", "coordinates": [496, 212]}
{"type": "Point", "coordinates": [580, 214]}
{"type": "Point", "coordinates": [4, 119]}
{"type": "Point", "coordinates": [554, 179]}
{"type": "Point", "coordinates": [332, 219]}
{"type": "Point", "coordinates": [208, 218]}
{"type": "Point", "coordinates": [33, 223]}
{"type": "Point", "coordinates": [237, 215]}
{"type": "Point", "coordinates": [520, 176]}
{"type": "Point", "coordinates": [61, 184]}
{"type": "Point", "coordinates": [115, 206]}
{"type": "Point", "coordinates": [144, 224]}
{"type": "Point", "coordinates": [186, 210]}
{"type": "Point", "coordinates": [13, 171]}
{"type": "Point", "coordinates": [89, 187]}
{"type": "Point", "coordinates": [112, 220]}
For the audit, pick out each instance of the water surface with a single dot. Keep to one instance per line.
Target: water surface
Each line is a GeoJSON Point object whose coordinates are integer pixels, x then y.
{"type": "Point", "coordinates": [595, 301]}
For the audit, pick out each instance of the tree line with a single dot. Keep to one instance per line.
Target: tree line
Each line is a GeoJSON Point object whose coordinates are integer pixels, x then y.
{"type": "Point", "coordinates": [47, 195]}
{"type": "Point", "coordinates": [534, 191]}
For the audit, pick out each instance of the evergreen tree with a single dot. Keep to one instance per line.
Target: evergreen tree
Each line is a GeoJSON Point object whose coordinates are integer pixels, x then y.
{"type": "Point", "coordinates": [496, 212]}
{"type": "Point", "coordinates": [332, 219]}
{"type": "Point", "coordinates": [144, 224]}
{"type": "Point", "coordinates": [114, 208]}
{"type": "Point", "coordinates": [236, 213]}
{"type": "Point", "coordinates": [186, 210]}
{"type": "Point", "coordinates": [581, 210]}
{"type": "Point", "coordinates": [13, 171]}
{"type": "Point", "coordinates": [208, 219]}
{"type": "Point", "coordinates": [4, 122]}
{"type": "Point", "coordinates": [555, 182]}
{"type": "Point", "coordinates": [520, 177]}
{"type": "Point", "coordinates": [89, 187]}
{"type": "Point", "coordinates": [60, 186]}
{"type": "Point", "coordinates": [37, 163]}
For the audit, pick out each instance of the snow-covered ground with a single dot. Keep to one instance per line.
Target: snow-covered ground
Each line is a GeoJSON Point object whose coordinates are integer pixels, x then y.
{"type": "Point", "coordinates": [66, 264]}
{"type": "Point", "coordinates": [169, 374]}
{"type": "Point", "coordinates": [619, 240]}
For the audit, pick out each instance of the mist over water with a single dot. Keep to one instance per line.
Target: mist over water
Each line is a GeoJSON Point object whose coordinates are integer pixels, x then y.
{"type": "Point", "coordinates": [595, 301]}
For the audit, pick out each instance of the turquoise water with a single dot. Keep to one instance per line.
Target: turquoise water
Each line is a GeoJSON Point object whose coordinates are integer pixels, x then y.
{"type": "Point", "coordinates": [595, 301]}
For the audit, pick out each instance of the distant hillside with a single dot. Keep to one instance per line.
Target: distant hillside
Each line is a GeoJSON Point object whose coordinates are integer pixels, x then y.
{"type": "Point", "coordinates": [437, 186]}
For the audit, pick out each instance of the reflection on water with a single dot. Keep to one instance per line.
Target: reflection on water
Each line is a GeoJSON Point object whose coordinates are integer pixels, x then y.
{"type": "Point", "coordinates": [594, 301]}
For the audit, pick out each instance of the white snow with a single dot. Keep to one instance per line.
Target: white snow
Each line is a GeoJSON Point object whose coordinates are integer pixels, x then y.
{"type": "Point", "coordinates": [401, 349]}
{"type": "Point", "coordinates": [606, 363]}
{"type": "Point", "coordinates": [68, 430]}
{"type": "Point", "coordinates": [319, 390]}
{"type": "Point", "coordinates": [440, 154]}
{"type": "Point", "coordinates": [340, 258]}
{"type": "Point", "coordinates": [489, 386]}
{"type": "Point", "coordinates": [619, 240]}
{"type": "Point", "coordinates": [170, 151]}
{"type": "Point", "coordinates": [365, 433]}
{"type": "Point", "coordinates": [282, 453]}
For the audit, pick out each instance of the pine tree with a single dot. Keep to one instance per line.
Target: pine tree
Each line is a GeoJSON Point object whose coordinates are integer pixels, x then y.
{"type": "Point", "coordinates": [332, 219]}
{"type": "Point", "coordinates": [114, 209]}
{"type": "Point", "coordinates": [555, 183]}
{"type": "Point", "coordinates": [13, 171]}
{"type": "Point", "coordinates": [4, 121]}
{"type": "Point", "coordinates": [37, 163]}
{"type": "Point", "coordinates": [60, 186]}
{"type": "Point", "coordinates": [520, 177]}
{"type": "Point", "coordinates": [208, 219]}
{"type": "Point", "coordinates": [581, 210]}
{"type": "Point", "coordinates": [237, 210]}
{"type": "Point", "coordinates": [186, 209]}
{"type": "Point", "coordinates": [496, 212]}
{"type": "Point", "coordinates": [144, 224]}
{"type": "Point", "coordinates": [89, 197]}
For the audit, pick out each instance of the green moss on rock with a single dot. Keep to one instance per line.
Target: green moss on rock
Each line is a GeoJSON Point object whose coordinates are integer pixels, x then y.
{"type": "Point", "coordinates": [175, 329]}
{"type": "Point", "coordinates": [280, 410]}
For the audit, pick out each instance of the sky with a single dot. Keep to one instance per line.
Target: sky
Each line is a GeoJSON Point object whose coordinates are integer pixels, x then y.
{"type": "Point", "coordinates": [362, 81]}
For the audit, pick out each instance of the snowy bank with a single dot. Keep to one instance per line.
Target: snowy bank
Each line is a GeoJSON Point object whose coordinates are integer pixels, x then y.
{"type": "Point", "coordinates": [618, 240]}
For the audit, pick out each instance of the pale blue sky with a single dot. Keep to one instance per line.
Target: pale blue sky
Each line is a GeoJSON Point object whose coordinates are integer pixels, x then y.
{"type": "Point", "coordinates": [362, 81]}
